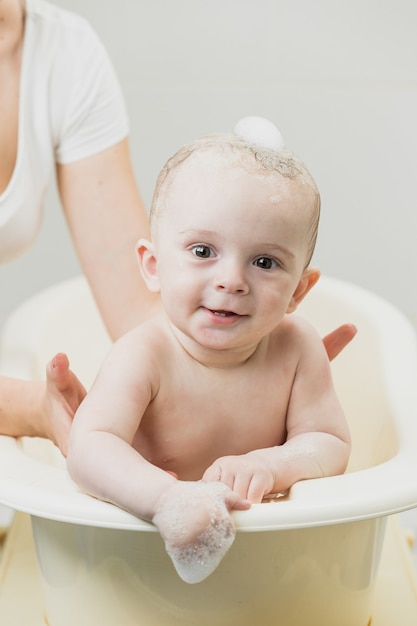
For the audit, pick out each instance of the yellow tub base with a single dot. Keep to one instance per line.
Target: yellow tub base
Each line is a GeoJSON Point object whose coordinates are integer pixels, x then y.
{"type": "Point", "coordinates": [20, 585]}
{"type": "Point", "coordinates": [395, 597]}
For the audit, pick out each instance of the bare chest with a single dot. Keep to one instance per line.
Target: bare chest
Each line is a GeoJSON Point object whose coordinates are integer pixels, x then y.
{"type": "Point", "coordinates": [191, 423]}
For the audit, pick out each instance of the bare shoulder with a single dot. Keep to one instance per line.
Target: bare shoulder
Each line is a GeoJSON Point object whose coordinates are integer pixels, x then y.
{"type": "Point", "coordinates": [141, 350]}
{"type": "Point", "coordinates": [297, 332]}
{"type": "Point", "coordinates": [152, 334]}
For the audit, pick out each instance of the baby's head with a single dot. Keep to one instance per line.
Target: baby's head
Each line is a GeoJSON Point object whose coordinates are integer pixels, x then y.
{"type": "Point", "coordinates": [234, 223]}
{"type": "Point", "coordinates": [255, 147]}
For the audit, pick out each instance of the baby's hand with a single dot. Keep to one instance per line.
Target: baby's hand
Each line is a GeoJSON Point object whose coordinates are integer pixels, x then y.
{"type": "Point", "coordinates": [195, 522]}
{"type": "Point", "coordinates": [249, 475]}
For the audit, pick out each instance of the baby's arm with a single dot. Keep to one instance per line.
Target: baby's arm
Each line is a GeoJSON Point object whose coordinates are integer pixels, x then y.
{"type": "Point", "coordinates": [193, 517]}
{"type": "Point", "coordinates": [100, 456]}
{"type": "Point", "coordinates": [318, 439]}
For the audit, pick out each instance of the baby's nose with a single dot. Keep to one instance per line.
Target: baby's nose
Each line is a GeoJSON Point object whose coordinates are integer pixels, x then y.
{"type": "Point", "coordinates": [232, 278]}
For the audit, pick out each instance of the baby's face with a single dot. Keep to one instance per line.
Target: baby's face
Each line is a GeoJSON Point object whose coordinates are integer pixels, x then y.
{"type": "Point", "coordinates": [231, 247]}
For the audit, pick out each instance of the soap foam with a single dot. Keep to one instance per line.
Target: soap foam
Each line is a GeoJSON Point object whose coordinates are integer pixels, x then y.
{"type": "Point", "coordinates": [196, 557]}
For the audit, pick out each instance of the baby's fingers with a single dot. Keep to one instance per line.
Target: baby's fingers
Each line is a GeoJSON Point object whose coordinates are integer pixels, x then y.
{"type": "Point", "coordinates": [234, 499]}
{"type": "Point", "coordinates": [236, 502]}
{"type": "Point", "coordinates": [251, 487]}
{"type": "Point", "coordinates": [247, 485]}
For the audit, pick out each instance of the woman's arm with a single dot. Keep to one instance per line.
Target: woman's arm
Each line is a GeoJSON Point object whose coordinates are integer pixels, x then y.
{"type": "Point", "coordinates": [39, 409]}
{"type": "Point", "coordinates": [106, 217]}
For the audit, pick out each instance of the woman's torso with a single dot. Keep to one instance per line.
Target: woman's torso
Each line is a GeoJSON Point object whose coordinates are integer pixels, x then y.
{"type": "Point", "coordinates": [56, 114]}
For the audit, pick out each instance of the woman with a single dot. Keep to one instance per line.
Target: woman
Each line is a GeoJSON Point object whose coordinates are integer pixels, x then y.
{"type": "Point", "coordinates": [61, 108]}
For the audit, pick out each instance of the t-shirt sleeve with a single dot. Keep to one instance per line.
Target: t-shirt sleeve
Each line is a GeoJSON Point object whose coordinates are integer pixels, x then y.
{"type": "Point", "coordinates": [89, 112]}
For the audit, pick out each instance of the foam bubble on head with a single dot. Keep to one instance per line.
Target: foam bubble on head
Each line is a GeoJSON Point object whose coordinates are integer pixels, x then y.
{"type": "Point", "coordinates": [259, 131]}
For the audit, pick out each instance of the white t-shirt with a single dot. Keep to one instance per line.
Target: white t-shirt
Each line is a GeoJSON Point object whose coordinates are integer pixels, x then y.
{"type": "Point", "coordinates": [71, 107]}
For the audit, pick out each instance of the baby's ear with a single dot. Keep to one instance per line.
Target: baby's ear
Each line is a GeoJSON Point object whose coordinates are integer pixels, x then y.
{"type": "Point", "coordinates": [148, 264]}
{"type": "Point", "coordinates": [307, 281]}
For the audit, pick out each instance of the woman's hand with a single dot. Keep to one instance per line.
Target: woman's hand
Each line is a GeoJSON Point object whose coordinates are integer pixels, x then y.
{"type": "Point", "coordinates": [63, 395]}
{"type": "Point", "coordinates": [338, 339]}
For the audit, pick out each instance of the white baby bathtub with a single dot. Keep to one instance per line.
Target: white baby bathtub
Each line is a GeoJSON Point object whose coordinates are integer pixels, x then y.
{"type": "Point", "coordinates": [306, 560]}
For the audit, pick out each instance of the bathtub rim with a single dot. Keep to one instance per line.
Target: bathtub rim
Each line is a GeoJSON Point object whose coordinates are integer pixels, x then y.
{"type": "Point", "coordinates": [375, 492]}
{"type": "Point", "coordinates": [384, 489]}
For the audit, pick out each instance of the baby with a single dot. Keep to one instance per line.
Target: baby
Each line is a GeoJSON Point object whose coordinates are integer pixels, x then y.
{"type": "Point", "coordinates": [226, 397]}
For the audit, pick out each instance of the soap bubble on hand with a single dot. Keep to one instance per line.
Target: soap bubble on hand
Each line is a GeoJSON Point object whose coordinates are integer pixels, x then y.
{"type": "Point", "coordinates": [197, 527]}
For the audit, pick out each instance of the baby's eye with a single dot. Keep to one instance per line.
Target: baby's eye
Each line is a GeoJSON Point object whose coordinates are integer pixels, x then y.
{"type": "Point", "coordinates": [265, 263]}
{"type": "Point", "coordinates": [202, 251]}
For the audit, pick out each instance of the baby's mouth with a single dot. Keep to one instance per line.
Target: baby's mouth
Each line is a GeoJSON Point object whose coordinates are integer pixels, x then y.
{"type": "Point", "coordinates": [223, 313]}
{"type": "Point", "coordinates": [223, 317]}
